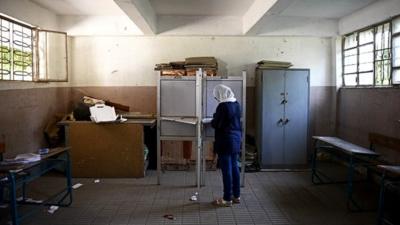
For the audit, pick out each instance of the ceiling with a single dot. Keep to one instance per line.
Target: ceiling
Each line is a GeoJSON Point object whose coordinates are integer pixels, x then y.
{"type": "Point", "coordinates": [201, 7]}
{"type": "Point", "coordinates": [209, 17]}
{"type": "Point", "coordinates": [333, 9]}
{"type": "Point", "coordinates": [81, 7]}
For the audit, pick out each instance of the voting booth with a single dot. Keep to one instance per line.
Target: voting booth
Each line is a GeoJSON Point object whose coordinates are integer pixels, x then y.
{"type": "Point", "coordinates": [185, 105]}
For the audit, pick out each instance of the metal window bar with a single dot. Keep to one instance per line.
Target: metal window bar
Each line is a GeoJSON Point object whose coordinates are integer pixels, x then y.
{"type": "Point", "coordinates": [22, 53]}
{"type": "Point", "coordinates": [16, 40]}
{"type": "Point", "coordinates": [358, 59]}
{"type": "Point", "coordinates": [384, 68]}
{"type": "Point", "coordinates": [5, 59]}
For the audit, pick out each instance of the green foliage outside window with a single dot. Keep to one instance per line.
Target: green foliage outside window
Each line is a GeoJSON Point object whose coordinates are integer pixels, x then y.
{"type": "Point", "coordinates": [15, 64]}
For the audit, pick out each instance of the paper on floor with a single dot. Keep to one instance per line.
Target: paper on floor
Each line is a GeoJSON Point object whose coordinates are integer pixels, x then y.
{"type": "Point", "coordinates": [30, 200]}
{"type": "Point", "coordinates": [76, 186]}
{"type": "Point", "coordinates": [194, 197]}
{"type": "Point", "coordinates": [52, 209]}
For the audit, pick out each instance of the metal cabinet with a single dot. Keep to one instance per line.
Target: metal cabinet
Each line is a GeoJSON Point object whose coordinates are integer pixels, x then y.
{"type": "Point", "coordinates": [282, 117]}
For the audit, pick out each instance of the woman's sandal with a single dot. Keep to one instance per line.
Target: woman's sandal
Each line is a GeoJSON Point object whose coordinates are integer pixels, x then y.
{"type": "Point", "coordinates": [222, 203]}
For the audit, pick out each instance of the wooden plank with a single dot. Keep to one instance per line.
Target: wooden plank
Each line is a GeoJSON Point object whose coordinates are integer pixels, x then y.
{"type": "Point", "coordinates": [345, 146]}
{"type": "Point", "coordinates": [172, 152]}
{"type": "Point", "coordinates": [107, 150]}
{"type": "Point", "coordinates": [384, 141]}
{"type": "Point", "coordinates": [395, 170]}
{"type": "Point", "coordinates": [145, 122]}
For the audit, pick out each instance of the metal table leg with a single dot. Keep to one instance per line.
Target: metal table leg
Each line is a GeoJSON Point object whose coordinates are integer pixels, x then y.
{"type": "Point", "coordinates": [13, 198]}
{"type": "Point", "coordinates": [350, 176]}
{"type": "Point", "coordinates": [314, 164]}
{"type": "Point", "coordinates": [381, 199]}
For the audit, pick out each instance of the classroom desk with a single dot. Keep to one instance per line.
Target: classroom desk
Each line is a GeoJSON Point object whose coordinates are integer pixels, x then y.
{"type": "Point", "coordinates": [350, 153]}
{"type": "Point", "coordinates": [107, 150]}
{"type": "Point", "coordinates": [390, 177]}
{"type": "Point", "coordinates": [17, 176]}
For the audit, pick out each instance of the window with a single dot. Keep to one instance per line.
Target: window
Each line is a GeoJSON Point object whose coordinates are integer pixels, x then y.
{"type": "Point", "coordinates": [369, 58]}
{"type": "Point", "coordinates": [52, 56]}
{"type": "Point", "coordinates": [31, 54]}
{"type": "Point", "coordinates": [396, 50]}
{"type": "Point", "coordinates": [16, 51]}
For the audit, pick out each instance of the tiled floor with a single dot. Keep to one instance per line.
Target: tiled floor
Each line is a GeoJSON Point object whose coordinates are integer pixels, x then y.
{"type": "Point", "coordinates": [268, 198]}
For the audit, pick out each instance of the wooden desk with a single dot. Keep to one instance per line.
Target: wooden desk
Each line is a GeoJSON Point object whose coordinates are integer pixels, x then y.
{"type": "Point", "coordinates": [107, 150]}
{"type": "Point", "coordinates": [352, 154]}
{"type": "Point", "coordinates": [18, 175]}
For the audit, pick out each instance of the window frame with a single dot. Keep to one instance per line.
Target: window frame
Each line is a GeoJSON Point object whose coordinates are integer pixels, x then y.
{"type": "Point", "coordinates": [391, 60]}
{"type": "Point", "coordinates": [396, 35]}
{"type": "Point", "coordinates": [34, 40]}
{"type": "Point", "coordinates": [14, 21]}
{"type": "Point", "coordinates": [37, 70]}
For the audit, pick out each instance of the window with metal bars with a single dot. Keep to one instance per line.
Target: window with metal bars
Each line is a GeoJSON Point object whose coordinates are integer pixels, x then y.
{"type": "Point", "coordinates": [371, 56]}
{"type": "Point", "coordinates": [16, 51]}
{"type": "Point", "coordinates": [31, 54]}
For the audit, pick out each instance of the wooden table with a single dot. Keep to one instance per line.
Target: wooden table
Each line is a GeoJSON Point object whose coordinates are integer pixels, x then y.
{"type": "Point", "coordinates": [352, 155]}
{"type": "Point", "coordinates": [18, 175]}
{"type": "Point", "coordinates": [107, 150]}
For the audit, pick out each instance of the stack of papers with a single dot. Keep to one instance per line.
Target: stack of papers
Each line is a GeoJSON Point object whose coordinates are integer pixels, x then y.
{"type": "Point", "coordinates": [22, 159]}
{"type": "Point", "coordinates": [268, 64]}
{"type": "Point", "coordinates": [28, 157]}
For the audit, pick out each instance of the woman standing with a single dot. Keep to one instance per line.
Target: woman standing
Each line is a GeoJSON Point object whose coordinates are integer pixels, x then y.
{"type": "Point", "coordinates": [228, 136]}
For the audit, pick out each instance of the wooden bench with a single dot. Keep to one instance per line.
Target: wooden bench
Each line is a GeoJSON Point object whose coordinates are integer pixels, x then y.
{"type": "Point", "coordinates": [390, 174]}
{"type": "Point", "coordinates": [353, 156]}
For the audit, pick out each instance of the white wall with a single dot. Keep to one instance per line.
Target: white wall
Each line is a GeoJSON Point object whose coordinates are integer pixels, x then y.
{"type": "Point", "coordinates": [374, 13]}
{"type": "Point", "coordinates": [129, 61]}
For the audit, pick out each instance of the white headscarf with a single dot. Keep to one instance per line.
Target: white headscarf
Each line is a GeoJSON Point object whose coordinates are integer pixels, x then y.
{"type": "Point", "coordinates": [224, 93]}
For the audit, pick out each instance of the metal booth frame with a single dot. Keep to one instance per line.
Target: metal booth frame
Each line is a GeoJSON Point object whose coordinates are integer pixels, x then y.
{"type": "Point", "coordinates": [200, 128]}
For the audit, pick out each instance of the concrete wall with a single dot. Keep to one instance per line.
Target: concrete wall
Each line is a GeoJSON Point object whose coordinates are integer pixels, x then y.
{"type": "Point", "coordinates": [364, 110]}
{"type": "Point", "coordinates": [26, 107]}
{"type": "Point", "coordinates": [122, 68]}
{"type": "Point", "coordinates": [129, 61]}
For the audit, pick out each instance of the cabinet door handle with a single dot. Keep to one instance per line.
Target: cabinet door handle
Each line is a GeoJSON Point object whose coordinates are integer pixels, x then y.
{"type": "Point", "coordinates": [286, 121]}
{"type": "Point", "coordinates": [280, 122]}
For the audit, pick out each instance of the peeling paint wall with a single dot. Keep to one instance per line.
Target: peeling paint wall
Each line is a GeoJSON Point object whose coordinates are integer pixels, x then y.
{"type": "Point", "coordinates": [25, 113]}
{"type": "Point", "coordinates": [106, 63]}
{"type": "Point", "coordinates": [365, 110]}
{"type": "Point", "coordinates": [129, 61]}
